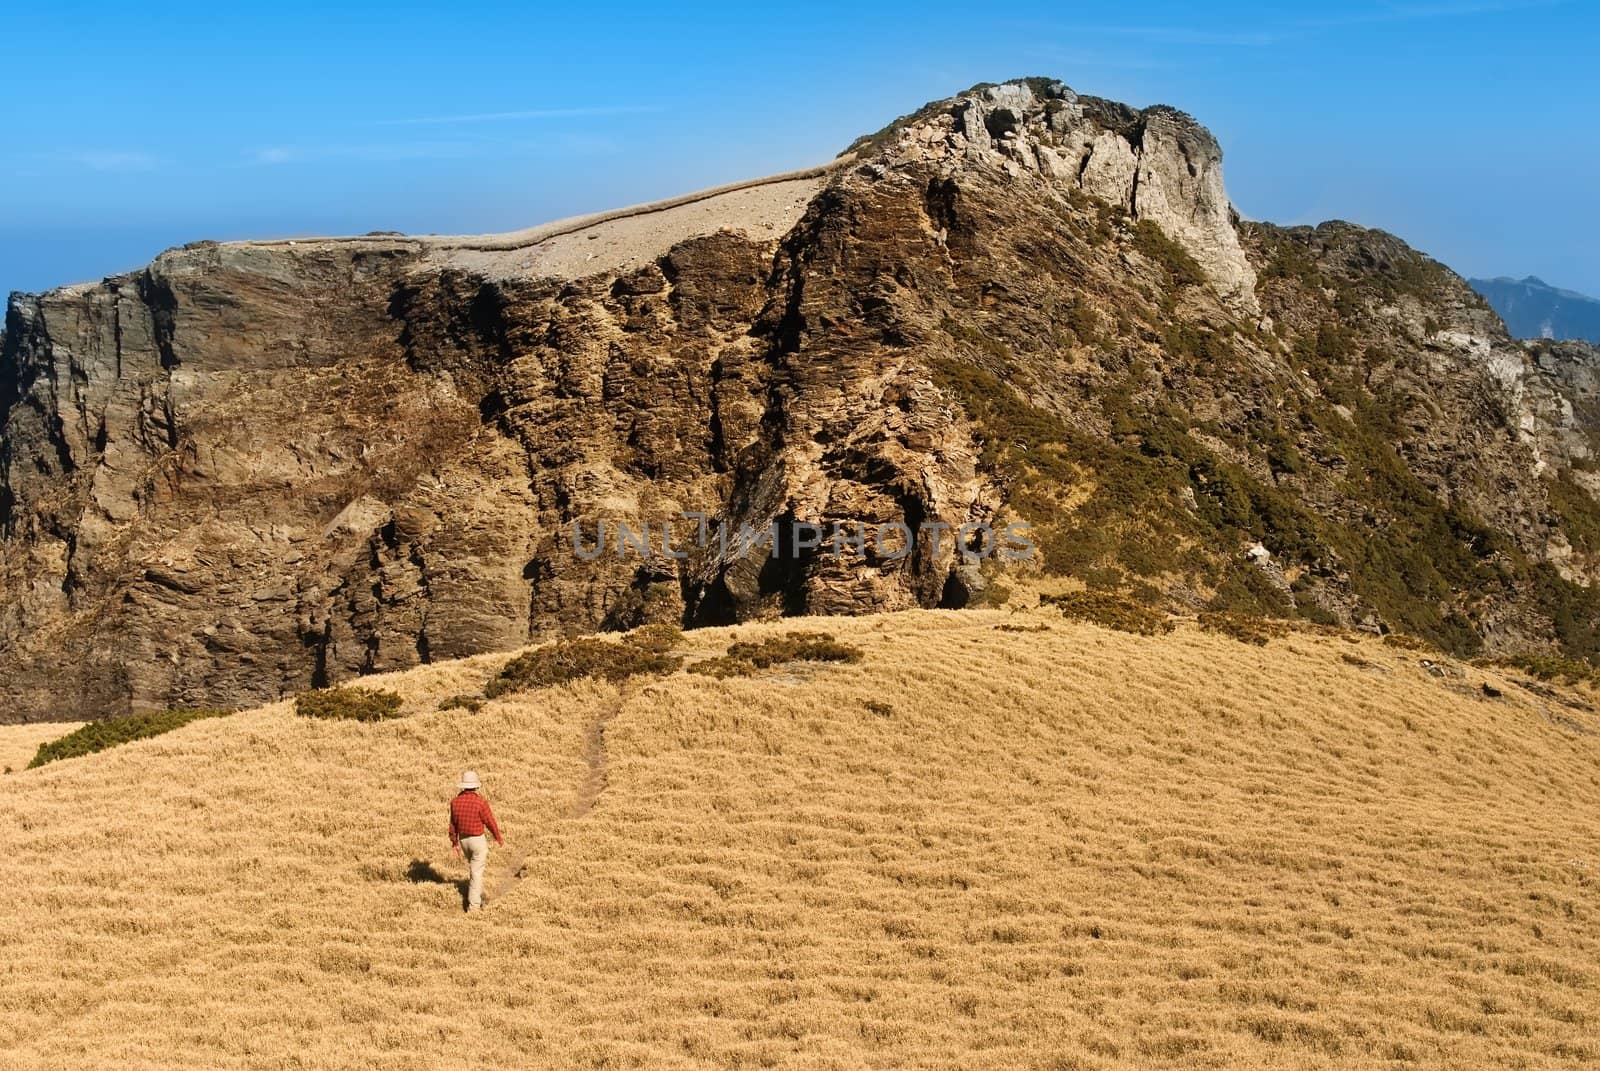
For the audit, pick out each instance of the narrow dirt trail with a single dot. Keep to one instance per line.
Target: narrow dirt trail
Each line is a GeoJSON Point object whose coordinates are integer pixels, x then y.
{"type": "Point", "coordinates": [594, 753]}
{"type": "Point", "coordinates": [594, 783]}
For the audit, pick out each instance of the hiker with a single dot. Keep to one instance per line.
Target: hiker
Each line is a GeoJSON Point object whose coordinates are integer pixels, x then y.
{"type": "Point", "coordinates": [469, 816]}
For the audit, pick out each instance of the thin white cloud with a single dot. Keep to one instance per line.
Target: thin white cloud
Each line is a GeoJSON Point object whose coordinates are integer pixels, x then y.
{"type": "Point", "coordinates": [1184, 35]}
{"type": "Point", "coordinates": [1273, 34]}
{"type": "Point", "coordinates": [1084, 59]}
{"type": "Point", "coordinates": [565, 144]}
{"type": "Point", "coordinates": [273, 155]}
{"type": "Point", "coordinates": [113, 160]}
{"type": "Point", "coordinates": [537, 113]}
{"type": "Point", "coordinates": [1451, 9]}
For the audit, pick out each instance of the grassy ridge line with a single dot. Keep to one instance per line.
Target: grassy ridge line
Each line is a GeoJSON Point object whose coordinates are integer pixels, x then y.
{"type": "Point", "coordinates": [544, 232]}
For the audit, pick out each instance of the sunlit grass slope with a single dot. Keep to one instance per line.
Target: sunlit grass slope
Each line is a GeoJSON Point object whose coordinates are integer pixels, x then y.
{"type": "Point", "coordinates": [1070, 848]}
{"type": "Point", "coordinates": [20, 743]}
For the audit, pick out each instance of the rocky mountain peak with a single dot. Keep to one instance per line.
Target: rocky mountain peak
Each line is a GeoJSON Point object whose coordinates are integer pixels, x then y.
{"type": "Point", "coordinates": [1158, 164]}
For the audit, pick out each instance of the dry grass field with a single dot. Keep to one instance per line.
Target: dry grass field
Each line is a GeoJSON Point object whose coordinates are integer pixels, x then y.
{"type": "Point", "coordinates": [1070, 848]}
{"type": "Point", "coordinates": [19, 743]}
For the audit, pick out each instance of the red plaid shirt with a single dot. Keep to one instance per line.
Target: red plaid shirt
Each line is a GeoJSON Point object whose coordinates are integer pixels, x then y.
{"type": "Point", "coordinates": [469, 814]}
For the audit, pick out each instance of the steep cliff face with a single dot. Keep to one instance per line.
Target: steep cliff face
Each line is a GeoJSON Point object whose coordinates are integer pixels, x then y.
{"type": "Point", "coordinates": [254, 468]}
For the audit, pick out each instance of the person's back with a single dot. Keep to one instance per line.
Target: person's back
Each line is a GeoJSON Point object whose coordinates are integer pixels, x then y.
{"type": "Point", "coordinates": [470, 817]}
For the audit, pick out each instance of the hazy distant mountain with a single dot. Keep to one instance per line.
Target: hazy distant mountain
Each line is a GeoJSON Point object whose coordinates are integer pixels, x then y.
{"type": "Point", "coordinates": [1532, 308]}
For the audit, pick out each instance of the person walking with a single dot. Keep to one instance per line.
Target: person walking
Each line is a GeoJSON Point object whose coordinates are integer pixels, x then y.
{"type": "Point", "coordinates": [470, 816]}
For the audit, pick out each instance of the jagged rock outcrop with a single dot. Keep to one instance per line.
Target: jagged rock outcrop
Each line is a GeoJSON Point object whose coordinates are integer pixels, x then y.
{"type": "Point", "coordinates": [253, 468]}
{"type": "Point", "coordinates": [1158, 164]}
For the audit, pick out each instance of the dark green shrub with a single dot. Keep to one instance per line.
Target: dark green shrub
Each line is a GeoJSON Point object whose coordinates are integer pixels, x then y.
{"type": "Point", "coordinates": [657, 639]}
{"type": "Point", "coordinates": [745, 658]}
{"type": "Point", "coordinates": [1181, 268]}
{"type": "Point", "coordinates": [795, 647]}
{"type": "Point", "coordinates": [1247, 590]}
{"type": "Point", "coordinates": [1549, 668]}
{"type": "Point", "coordinates": [349, 704]}
{"type": "Point", "coordinates": [994, 594]}
{"type": "Point", "coordinates": [1110, 610]}
{"type": "Point", "coordinates": [469, 703]}
{"type": "Point", "coordinates": [1578, 512]}
{"type": "Point", "coordinates": [1082, 321]}
{"type": "Point", "coordinates": [722, 667]}
{"type": "Point", "coordinates": [1316, 615]}
{"type": "Point", "coordinates": [1243, 628]}
{"type": "Point", "coordinates": [570, 660]}
{"type": "Point", "coordinates": [643, 602]}
{"type": "Point", "coordinates": [99, 735]}
{"type": "Point", "coordinates": [1406, 642]}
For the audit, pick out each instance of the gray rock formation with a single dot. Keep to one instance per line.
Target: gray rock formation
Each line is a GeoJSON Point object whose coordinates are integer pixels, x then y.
{"type": "Point", "coordinates": [1158, 164]}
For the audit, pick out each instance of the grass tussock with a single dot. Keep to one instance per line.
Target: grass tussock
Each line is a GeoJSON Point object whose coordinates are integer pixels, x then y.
{"type": "Point", "coordinates": [1110, 610]}
{"type": "Point", "coordinates": [565, 661]}
{"type": "Point", "coordinates": [350, 703]}
{"type": "Point", "coordinates": [99, 735]}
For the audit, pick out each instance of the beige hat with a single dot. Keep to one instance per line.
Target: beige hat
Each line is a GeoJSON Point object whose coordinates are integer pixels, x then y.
{"type": "Point", "coordinates": [470, 780]}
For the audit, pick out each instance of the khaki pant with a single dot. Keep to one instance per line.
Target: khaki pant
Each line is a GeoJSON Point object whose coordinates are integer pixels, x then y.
{"type": "Point", "coordinates": [476, 849]}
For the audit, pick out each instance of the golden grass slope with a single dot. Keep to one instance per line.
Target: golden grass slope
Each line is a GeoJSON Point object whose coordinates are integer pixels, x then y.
{"type": "Point", "coordinates": [1069, 848]}
{"type": "Point", "coordinates": [20, 743]}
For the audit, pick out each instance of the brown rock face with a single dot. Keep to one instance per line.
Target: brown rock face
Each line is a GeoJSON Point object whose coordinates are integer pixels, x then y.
{"type": "Point", "coordinates": [254, 468]}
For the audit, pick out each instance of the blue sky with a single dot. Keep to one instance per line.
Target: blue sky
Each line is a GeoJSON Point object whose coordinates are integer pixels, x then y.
{"type": "Point", "coordinates": [1465, 126]}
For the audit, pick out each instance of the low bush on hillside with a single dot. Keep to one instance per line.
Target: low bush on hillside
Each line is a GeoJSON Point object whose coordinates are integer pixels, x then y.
{"type": "Point", "coordinates": [1548, 668]}
{"type": "Point", "coordinates": [722, 667]}
{"type": "Point", "coordinates": [1332, 629]}
{"type": "Point", "coordinates": [745, 658]}
{"type": "Point", "coordinates": [1242, 627]}
{"type": "Point", "coordinates": [1246, 591]}
{"type": "Point", "coordinates": [570, 660]}
{"type": "Point", "coordinates": [993, 596]}
{"type": "Point", "coordinates": [1407, 642]}
{"type": "Point", "coordinates": [1040, 627]}
{"type": "Point", "coordinates": [469, 703]}
{"type": "Point", "coordinates": [349, 704]}
{"type": "Point", "coordinates": [1110, 610]}
{"type": "Point", "coordinates": [795, 647]}
{"type": "Point", "coordinates": [642, 602]}
{"type": "Point", "coordinates": [657, 639]}
{"type": "Point", "coordinates": [1154, 243]}
{"type": "Point", "coordinates": [99, 735]}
